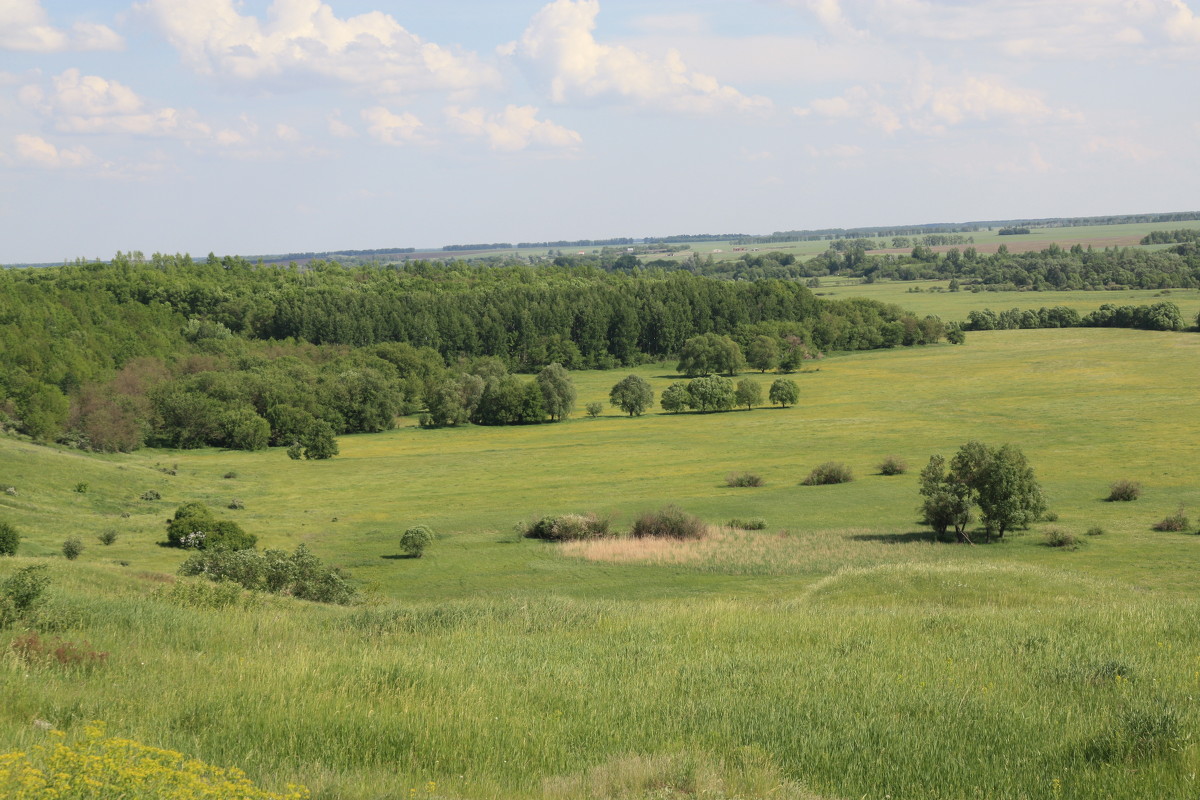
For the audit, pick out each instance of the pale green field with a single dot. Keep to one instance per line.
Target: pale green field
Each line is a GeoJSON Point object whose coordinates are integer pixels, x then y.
{"type": "Point", "coordinates": [955, 306]}
{"type": "Point", "coordinates": [840, 650]}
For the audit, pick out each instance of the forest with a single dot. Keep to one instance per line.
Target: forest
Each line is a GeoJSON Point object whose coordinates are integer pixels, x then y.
{"type": "Point", "coordinates": [177, 352]}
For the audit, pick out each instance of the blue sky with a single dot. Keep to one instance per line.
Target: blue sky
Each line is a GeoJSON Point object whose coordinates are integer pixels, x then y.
{"type": "Point", "coordinates": [294, 125]}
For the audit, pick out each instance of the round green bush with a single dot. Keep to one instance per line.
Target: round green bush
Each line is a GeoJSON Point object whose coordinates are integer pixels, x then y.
{"type": "Point", "coordinates": [829, 472]}
{"type": "Point", "coordinates": [9, 539]}
{"type": "Point", "coordinates": [893, 466]}
{"type": "Point", "coordinates": [669, 523]}
{"type": "Point", "coordinates": [415, 540]}
{"type": "Point", "coordinates": [71, 548]}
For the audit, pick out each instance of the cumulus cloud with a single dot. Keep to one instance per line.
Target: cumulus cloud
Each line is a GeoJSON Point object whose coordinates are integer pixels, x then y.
{"type": "Point", "coordinates": [36, 151]}
{"type": "Point", "coordinates": [560, 52]}
{"type": "Point", "coordinates": [393, 129]}
{"type": "Point", "coordinates": [514, 128]}
{"type": "Point", "coordinates": [302, 40]}
{"type": "Point", "coordinates": [339, 128]}
{"type": "Point", "coordinates": [25, 26]}
{"type": "Point", "coordinates": [930, 107]}
{"type": "Point", "coordinates": [80, 103]}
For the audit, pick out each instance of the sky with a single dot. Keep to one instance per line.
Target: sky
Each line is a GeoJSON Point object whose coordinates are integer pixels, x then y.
{"type": "Point", "coordinates": [276, 126]}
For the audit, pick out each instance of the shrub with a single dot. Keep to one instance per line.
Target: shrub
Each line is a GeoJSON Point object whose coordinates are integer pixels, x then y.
{"type": "Point", "coordinates": [299, 574]}
{"type": "Point", "coordinates": [1124, 491]}
{"type": "Point", "coordinates": [107, 537]}
{"type": "Point", "coordinates": [414, 541]}
{"type": "Point", "coordinates": [1095, 530]}
{"type": "Point", "coordinates": [21, 592]}
{"type": "Point", "coordinates": [594, 409]}
{"type": "Point", "coordinates": [1050, 516]}
{"type": "Point", "coordinates": [229, 475]}
{"type": "Point", "coordinates": [1176, 522]}
{"type": "Point", "coordinates": [236, 504]}
{"type": "Point", "coordinates": [151, 494]}
{"type": "Point", "coordinates": [893, 466]}
{"type": "Point", "coordinates": [751, 524]}
{"type": "Point", "coordinates": [194, 526]}
{"type": "Point", "coordinates": [10, 490]}
{"type": "Point", "coordinates": [9, 539]}
{"type": "Point", "coordinates": [71, 548]}
{"type": "Point", "coordinates": [568, 527]}
{"type": "Point", "coordinates": [668, 523]}
{"type": "Point", "coordinates": [1056, 537]}
{"type": "Point", "coordinates": [81, 487]}
{"type": "Point", "coordinates": [829, 472]}
{"type": "Point", "coordinates": [743, 479]}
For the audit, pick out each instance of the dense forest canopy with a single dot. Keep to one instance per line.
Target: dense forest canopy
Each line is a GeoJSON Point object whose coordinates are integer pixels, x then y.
{"type": "Point", "coordinates": [183, 353]}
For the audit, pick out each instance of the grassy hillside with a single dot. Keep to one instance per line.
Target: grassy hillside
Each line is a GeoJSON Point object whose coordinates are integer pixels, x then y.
{"type": "Point", "coordinates": [839, 653]}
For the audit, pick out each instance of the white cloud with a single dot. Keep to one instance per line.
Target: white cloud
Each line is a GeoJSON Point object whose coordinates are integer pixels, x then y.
{"type": "Point", "coordinates": [25, 26]}
{"type": "Point", "coordinates": [339, 128]}
{"type": "Point", "coordinates": [561, 53]}
{"type": "Point", "coordinates": [1182, 25]}
{"type": "Point", "coordinates": [515, 128]}
{"type": "Point", "coordinates": [393, 129]}
{"type": "Point", "coordinates": [302, 40]}
{"type": "Point", "coordinates": [1120, 146]}
{"type": "Point", "coordinates": [840, 152]}
{"type": "Point", "coordinates": [36, 151]}
{"type": "Point", "coordinates": [287, 133]}
{"type": "Point", "coordinates": [79, 103]}
{"type": "Point", "coordinates": [927, 106]}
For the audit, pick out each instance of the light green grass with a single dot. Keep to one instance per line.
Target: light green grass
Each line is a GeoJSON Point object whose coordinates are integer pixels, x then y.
{"type": "Point", "coordinates": [839, 650]}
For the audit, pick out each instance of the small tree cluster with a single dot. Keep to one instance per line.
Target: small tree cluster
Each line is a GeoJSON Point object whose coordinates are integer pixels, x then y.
{"type": "Point", "coordinates": [194, 527]}
{"type": "Point", "coordinates": [997, 480]}
{"type": "Point", "coordinates": [300, 574]}
{"type": "Point", "coordinates": [829, 473]}
{"type": "Point", "coordinates": [568, 527]}
{"type": "Point", "coordinates": [670, 522]}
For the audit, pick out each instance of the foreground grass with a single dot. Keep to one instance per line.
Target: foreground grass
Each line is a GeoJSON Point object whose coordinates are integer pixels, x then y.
{"type": "Point", "coordinates": [839, 653]}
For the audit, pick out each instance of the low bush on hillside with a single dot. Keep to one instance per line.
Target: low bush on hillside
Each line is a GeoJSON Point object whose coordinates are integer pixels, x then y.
{"type": "Point", "coordinates": [1174, 523]}
{"type": "Point", "coordinates": [568, 527]}
{"type": "Point", "coordinates": [893, 466]}
{"type": "Point", "coordinates": [194, 527]}
{"type": "Point", "coordinates": [414, 541]}
{"type": "Point", "coordinates": [71, 548]}
{"type": "Point", "coordinates": [107, 536]}
{"type": "Point", "coordinates": [21, 593]}
{"type": "Point", "coordinates": [668, 523]}
{"type": "Point", "coordinates": [299, 574]}
{"type": "Point", "coordinates": [1095, 530]}
{"type": "Point", "coordinates": [743, 479]}
{"type": "Point", "coordinates": [1056, 537]}
{"type": "Point", "coordinates": [10, 539]}
{"type": "Point", "coordinates": [151, 494]}
{"type": "Point", "coordinates": [828, 473]}
{"type": "Point", "coordinates": [750, 524]}
{"type": "Point", "coordinates": [1123, 491]}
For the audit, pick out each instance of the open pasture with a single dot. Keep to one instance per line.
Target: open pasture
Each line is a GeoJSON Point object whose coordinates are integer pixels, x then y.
{"type": "Point", "coordinates": [839, 653]}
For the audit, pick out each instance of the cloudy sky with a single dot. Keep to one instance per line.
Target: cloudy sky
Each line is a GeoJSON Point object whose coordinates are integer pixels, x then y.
{"type": "Point", "coordinates": [269, 126]}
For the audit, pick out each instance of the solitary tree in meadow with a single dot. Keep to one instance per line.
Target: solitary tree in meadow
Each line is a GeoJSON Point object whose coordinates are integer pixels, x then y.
{"type": "Point", "coordinates": [784, 392]}
{"type": "Point", "coordinates": [632, 395]}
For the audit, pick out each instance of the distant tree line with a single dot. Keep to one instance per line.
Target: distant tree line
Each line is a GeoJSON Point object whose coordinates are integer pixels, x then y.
{"type": "Point", "coordinates": [1154, 317]}
{"type": "Point", "coordinates": [222, 352]}
{"type": "Point", "coordinates": [1181, 236]}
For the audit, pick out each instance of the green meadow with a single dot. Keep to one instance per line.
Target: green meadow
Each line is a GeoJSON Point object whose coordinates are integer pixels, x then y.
{"type": "Point", "coordinates": [839, 653]}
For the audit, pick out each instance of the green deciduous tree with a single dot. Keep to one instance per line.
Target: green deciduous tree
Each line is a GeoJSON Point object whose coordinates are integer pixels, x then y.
{"type": "Point", "coordinates": [712, 393]}
{"type": "Point", "coordinates": [558, 391]}
{"type": "Point", "coordinates": [784, 392]}
{"type": "Point", "coordinates": [675, 397]}
{"type": "Point", "coordinates": [762, 353]}
{"type": "Point", "coordinates": [998, 480]}
{"type": "Point", "coordinates": [749, 393]}
{"type": "Point", "coordinates": [710, 352]}
{"type": "Point", "coordinates": [318, 441]}
{"type": "Point", "coordinates": [632, 395]}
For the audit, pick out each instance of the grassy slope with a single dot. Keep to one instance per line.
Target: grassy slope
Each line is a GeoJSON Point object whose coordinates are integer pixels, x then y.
{"type": "Point", "coordinates": [842, 649]}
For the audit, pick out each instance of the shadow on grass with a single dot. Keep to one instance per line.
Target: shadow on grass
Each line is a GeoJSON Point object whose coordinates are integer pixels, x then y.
{"type": "Point", "coordinates": [897, 538]}
{"type": "Point", "coordinates": [399, 556]}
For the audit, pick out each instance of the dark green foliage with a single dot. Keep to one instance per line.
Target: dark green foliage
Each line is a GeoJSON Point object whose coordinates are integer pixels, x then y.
{"type": "Point", "coordinates": [762, 353]}
{"type": "Point", "coordinates": [231, 475]}
{"type": "Point", "coordinates": [1174, 523]}
{"type": "Point", "coordinates": [748, 394]}
{"type": "Point", "coordinates": [10, 539]}
{"type": "Point", "coordinates": [670, 522]}
{"type": "Point", "coordinates": [1124, 491]}
{"type": "Point", "coordinates": [567, 527]}
{"type": "Point", "coordinates": [710, 353]}
{"type": "Point", "coordinates": [711, 393]}
{"type": "Point", "coordinates": [415, 539]}
{"type": "Point", "coordinates": [998, 480]}
{"type": "Point", "coordinates": [743, 479]}
{"type": "Point", "coordinates": [71, 548]}
{"type": "Point", "coordinates": [195, 527]}
{"type": "Point", "coordinates": [784, 392]}
{"type": "Point", "coordinates": [21, 592]}
{"type": "Point", "coordinates": [299, 574]}
{"type": "Point", "coordinates": [242, 429]}
{"type": "Point", "coordinates": [675, 398]}
{"type": "Point", "coordinates": [893, 465]}
{"type": "Point", "coordinates": [632, 395]}
{"type": "Point", "coordinates": [751, 524]}
{"type": "Point", "coordinates": [1095, 530]}
{"type": "Point", "coordinates": [236, 504]}
{"type": "Point", "coordinates": [317, 442]}
{"type": "Point", "coordinates": [81, 488]}
{"type": "Point", "coordinates": [151, 494]}
{"type": "Point", "coordinates": [829, 473]}
{"type": "Point", "coordinates": [107, 537]}
{"type": "Point", "coordinates": [594, 409]}
{"type": "Point", "coordinates": [947, 499]}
